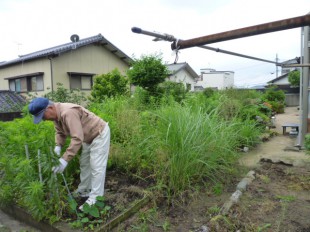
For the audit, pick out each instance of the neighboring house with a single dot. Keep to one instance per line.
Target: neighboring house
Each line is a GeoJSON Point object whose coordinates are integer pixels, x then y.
{"type": "Point", "coordinates": [11, 105]}
{"type": "Point", "coordinates": [72, 64]}
{"type": "Point", "coordinates": [291, 92]}
{"type": "Point", "coordinates": [210, 78]}
{"type": "Point", "coordinates": [289, 62]}
{"type": "Point", "coordinates": [183, 73]}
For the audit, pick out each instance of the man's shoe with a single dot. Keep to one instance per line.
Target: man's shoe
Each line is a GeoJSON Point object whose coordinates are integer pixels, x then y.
{"type": "Point", "coordinates": [89, 201]}
{"type": "Point", "coordinates": [81, 193]}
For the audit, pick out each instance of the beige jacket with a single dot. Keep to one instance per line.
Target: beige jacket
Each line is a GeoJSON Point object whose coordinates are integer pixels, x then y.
{"type": "Point", "coordinates": [79, 124]}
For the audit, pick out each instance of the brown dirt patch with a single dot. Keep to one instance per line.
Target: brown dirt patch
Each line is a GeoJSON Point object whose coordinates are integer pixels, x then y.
{"type": "Point", "coordinates": [277, 200]}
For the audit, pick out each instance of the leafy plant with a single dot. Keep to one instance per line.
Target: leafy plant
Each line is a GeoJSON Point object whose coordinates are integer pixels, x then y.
{"type": "Point", "coordinates": [148, 72]}
{"type": "Point", "coordinates": [91, 216]}
{"type": "Point", "coordinates": [307, 142]}
{"type": "Point", "coordinates": [109, 85]}
{"type": "Point", "coordinates": [64, 95]}
{"type": "Point", "coordinates": [294, 78]}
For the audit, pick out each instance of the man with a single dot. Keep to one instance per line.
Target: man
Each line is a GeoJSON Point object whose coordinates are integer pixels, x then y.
{"type": "Point", "coordinates": [86, 130]}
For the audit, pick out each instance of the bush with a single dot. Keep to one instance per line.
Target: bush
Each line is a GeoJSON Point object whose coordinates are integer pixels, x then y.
{"type": "Point", "coordinates": [307, 142]}
{"type": "Point", "coordinates": [109, 85]}
{"type": "Point", "coordinates": [64, 95]}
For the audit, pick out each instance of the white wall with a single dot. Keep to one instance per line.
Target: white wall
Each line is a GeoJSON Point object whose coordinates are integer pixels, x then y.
{"type": "Point", "coordinates": [282, 81]}
{"type": "Point", "coordinates": [217, 79]}
{"type": "Point", "coordinates": [183, 77]}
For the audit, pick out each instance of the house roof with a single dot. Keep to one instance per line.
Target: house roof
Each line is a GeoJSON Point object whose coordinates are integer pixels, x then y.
{"type": "Point", "coordinates": [175, 68]}
{"type": "Point", "coordinates": [57, 50]}
{"type": "Point", "coordinates": [11, 101]}
{"type": "Point", "coordinates": [278, 78]}
{"type": "Point", "coordinates": [292, 61]}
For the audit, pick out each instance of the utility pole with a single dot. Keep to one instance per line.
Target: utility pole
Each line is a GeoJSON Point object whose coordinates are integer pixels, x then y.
{"type": "Point", "coordinates": [277, 65]}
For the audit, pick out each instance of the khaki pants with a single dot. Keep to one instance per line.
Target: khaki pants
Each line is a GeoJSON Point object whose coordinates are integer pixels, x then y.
{"type": "Point", "coordinates": [93, 164]}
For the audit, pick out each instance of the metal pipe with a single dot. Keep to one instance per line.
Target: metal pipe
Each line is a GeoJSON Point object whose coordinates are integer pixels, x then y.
{"type": "Point", "coordinates": [238, 54]}
{"type": "Point", "coordinates": [39, 166]}
{"type": "Point", "coordinates": [167, 37]}
{"type": "Point", "coordinates": [69, 193]}
{"type": "Point", "coordinates": [52, 73]}
{"type": "Point", "coordinates": [295, 65]}
{"type": "Point", "coordinates": [244, 32]}
{"type": "Point", "coordinates": [304, 88]}
{"type": "Point", "coordinates": [27, 151]}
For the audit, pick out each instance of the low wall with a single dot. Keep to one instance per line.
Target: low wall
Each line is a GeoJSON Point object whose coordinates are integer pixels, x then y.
{"type": "Point", "coordinates": [292, 99]}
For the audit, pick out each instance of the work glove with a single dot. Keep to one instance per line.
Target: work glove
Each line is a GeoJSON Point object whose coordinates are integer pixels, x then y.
{"type": "Point", "coordinates": [57, 150]}
{"type": "Point", "coordinates": [61, 167]}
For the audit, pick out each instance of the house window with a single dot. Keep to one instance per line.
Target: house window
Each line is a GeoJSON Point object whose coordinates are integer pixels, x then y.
{"type": "Point", "coordinates": [80, 81]}
{"type": "Point", "coordinates": [27, 83]}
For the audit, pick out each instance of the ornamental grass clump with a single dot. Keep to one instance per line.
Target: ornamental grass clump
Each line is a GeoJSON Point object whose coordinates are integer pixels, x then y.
{"type": "Point", "coordinates": [198, 146]}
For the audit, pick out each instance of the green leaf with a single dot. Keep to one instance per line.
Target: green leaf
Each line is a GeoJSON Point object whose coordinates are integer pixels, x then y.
{"type": "Point", "coordinates": [72, 204]}
{"type": "Point", "coordinates": [94, 211]}
{"type": "Point", "coordinates": [85, 219]}
{"type": "Point", "coordinates": [100, 204]}
{"type": "Point", "coordinates": [100, 198]}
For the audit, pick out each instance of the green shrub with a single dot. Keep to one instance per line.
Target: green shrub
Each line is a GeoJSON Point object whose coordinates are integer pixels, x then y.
{"type": "Point", "coordinates": [307, 142]}
{"type": "Point", "coordinates": [64, 95]}
{"type": "Point", "coordinates": [109, 85]}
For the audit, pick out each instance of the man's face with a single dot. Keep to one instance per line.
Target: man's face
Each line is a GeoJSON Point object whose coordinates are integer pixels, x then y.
{"type": "Point", "coordinates": [49, 114]}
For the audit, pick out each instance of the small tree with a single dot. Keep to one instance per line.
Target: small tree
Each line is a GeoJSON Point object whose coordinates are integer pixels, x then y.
{"type": "Point", "coordinates": [294, 78]}
{"type": "Point", "coordinates": [276, 98]}
{"type": "Point", "coordinates": [148, 72]}
{"type": "Point", "coordinates": [109, 85]}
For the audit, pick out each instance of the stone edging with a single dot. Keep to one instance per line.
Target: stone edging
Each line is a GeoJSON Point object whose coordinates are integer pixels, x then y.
{"type": "Point", "coordinates": [241, 187]}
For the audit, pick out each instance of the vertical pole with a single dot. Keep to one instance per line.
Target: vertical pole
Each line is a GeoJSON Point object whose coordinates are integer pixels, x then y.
{"type": "Point", "coordinates": [39, 165]}
{"type": "Point", "coordinates": [305, 87]}
{"type": "Point", "coordinates": [277, 65]}
{"type": "Point", "coordinates": [27, 151]}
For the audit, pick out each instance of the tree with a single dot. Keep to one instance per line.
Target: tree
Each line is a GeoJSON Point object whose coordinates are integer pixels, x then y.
{"type": "Point", "coordinates": [109, 85]}
{"type": "Point", "coordinates": [148, 72]}
{"type": "Point", "coordinates": [294, 78]}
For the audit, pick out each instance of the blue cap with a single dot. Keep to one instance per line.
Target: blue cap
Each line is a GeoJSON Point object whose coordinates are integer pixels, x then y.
{"type": "Point", "coordinates": [37, 108]}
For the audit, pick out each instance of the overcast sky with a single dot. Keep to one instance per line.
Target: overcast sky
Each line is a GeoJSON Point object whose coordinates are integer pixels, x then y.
{"type": "Point", "coordinates": [31, 25]}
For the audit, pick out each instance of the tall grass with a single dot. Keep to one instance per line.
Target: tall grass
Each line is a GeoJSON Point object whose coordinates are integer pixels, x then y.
{"type": "Point", "coordinates": [199, 147]}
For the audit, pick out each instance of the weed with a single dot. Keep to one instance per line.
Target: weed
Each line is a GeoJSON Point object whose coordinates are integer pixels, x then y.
{"type": "Point", "coordinates": [92, 216]}
{"type": "Point", "coordinates": [286, 198]}
{"type": "Point", "coordinates": [264, 227]}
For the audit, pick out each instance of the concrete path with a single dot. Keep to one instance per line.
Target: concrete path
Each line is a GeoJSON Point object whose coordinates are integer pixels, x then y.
{"type": "Point", "coordinates": [9, 224]}
{"type": "Point", "coordinates": [281, 147]}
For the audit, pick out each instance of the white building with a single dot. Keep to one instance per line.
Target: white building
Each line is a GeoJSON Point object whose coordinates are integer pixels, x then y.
{"type": "Point", "coordinates": [183, 73]}
{"type": "Point", "coordinates": [210, 78]}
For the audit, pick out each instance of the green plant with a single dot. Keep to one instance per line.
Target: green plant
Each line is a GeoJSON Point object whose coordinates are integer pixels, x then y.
{"type": "Point", "coordinates": [64, 95]}
{"type": "Point", "coordinates": [276, 98]}
{"type": "Point", "coordinates": [214, 210]}
{"type": "Point", "coordinates": [264, 227]}
{"type": "Point", "coordinates": [294, 78]}
{"type": "Point", "coordinates": [91, 216]}
{"type": "Point", "coordinates": [286, 198]}
{"type": "Point", "coordinates": [307, 142]}
{"type": "Point", "coordinates": [109, 85]}
{"type": "Point", "coordinates": [148, 72]}
{"type": "Point", "coordinates": [176, 90]}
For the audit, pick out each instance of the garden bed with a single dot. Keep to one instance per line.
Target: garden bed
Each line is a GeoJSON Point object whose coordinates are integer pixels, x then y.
{"type": "Point", "coordinates": [123, 195]}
